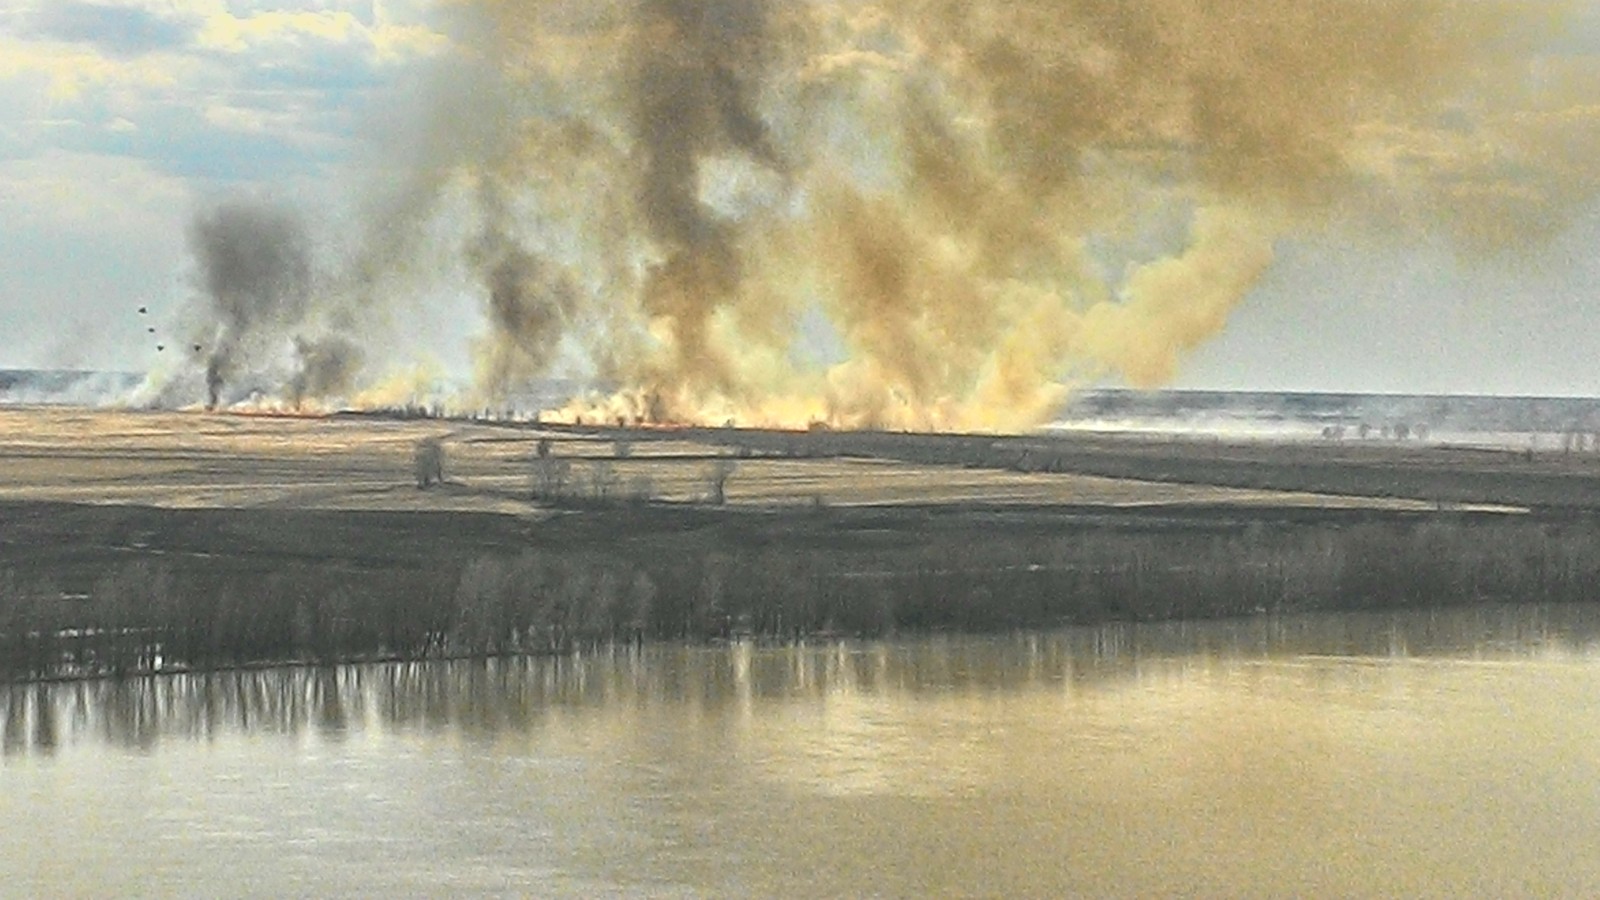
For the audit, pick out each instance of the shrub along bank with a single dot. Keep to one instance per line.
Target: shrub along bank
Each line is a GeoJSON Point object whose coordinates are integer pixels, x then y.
{"type": "Point", "coordinates": [626, 573]}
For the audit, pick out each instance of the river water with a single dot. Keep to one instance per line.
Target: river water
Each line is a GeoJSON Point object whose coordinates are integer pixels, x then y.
{"type": "Point", "coordinates": [1452, 753]}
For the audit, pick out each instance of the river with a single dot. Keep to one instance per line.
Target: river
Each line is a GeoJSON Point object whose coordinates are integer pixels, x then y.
{"type": "Point", "coordinates": [1443, 753]}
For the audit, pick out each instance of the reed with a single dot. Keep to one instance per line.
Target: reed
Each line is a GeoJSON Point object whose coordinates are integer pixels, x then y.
{"type": "Point", "coordinates": [696, 584]}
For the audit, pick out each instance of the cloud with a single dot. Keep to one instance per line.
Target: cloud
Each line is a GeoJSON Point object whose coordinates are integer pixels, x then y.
{"type": "Point", "coordinates": [386, 41]}
{"type": "Point", "coordinates": [206, 90]}
{"type": "Point", "coordinates": [58, 73]}
{"type": "Point", "coordinates": [71, 190]}
{"type": "Point", "coordinates": [114, 30]}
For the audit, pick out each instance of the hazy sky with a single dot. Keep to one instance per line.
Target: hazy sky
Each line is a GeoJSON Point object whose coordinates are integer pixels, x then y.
{"type": "Point", "coordinates": [118, 118]}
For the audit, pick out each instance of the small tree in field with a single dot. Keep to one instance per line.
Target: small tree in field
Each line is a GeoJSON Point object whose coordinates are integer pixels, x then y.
{"type": "Point", "coordinates": [550, 474]}
{"type": "Point", "coordinates": [717, 480]}
{"type": "Point", "coordinates": [427, 461]}
{"type": "Point", "coordinates": [603, 480]}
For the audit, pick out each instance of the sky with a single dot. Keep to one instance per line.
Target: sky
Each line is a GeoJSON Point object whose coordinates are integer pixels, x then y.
{"type": "Point", "coordinates": [120, 118]}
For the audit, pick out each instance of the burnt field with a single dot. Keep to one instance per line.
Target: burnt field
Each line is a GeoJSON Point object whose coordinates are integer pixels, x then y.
{"type": "Point", "coordinates": [138, 542]}
{"type": "Point", "coordinates": [1416, 471]}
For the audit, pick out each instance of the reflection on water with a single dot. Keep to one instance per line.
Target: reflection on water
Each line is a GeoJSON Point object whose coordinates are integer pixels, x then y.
{"type": "Point", "coordinates": [1430, 752]}
{"type": "Point", "coordinates": [485, 697]}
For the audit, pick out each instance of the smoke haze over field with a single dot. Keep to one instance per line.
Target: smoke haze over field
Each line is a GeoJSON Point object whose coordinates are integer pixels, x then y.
{"type": "Point", "coordinates": [968, 207]}
{"type": "Point", "coordinates": [258, 295]}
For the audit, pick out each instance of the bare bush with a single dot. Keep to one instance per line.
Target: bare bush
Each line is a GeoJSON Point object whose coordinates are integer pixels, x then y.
{"type": "Point", "coordinates": [641, 489]}
{"type": "Point", "coordinates": [717, 480]}
{"type": "Point", "coordinates": [641, 598]}
{"type": "Point", "coordinates": [588, 587]}
{"type": "Point", "coordinates": [427, 460]}
{"type": "Point", "coordinates": [603, 480]}
{"type": "Point", "coordinates": [550, 476]}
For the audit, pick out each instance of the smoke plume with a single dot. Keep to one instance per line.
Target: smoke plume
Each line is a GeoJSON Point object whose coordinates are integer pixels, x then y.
{"type": "Point", "coordinates": [261, 322]}
{"type": "Point", "coordinates": [529, 304]}
{"type": "Point", "coordinates": [324, 367]}
{"type": "Point", "coordinates": [970, 206]}
{"type": "Point", "coordinates": [255, 270]}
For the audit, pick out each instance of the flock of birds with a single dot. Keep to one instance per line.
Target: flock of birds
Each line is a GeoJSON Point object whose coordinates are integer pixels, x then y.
{"type": "Point", "coordinates": [151, 329]}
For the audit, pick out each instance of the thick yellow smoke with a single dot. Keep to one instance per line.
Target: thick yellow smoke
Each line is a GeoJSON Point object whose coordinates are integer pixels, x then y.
{"type": "Point", "coordinates": [967, 206]}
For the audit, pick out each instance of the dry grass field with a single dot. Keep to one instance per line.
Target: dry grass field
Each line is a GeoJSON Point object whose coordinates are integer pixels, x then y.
{"type": "Point", "coordinates": [197, 460]}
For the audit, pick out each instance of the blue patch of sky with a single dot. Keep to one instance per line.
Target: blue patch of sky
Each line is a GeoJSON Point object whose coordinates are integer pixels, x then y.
{"type": "Point", "coordinates": [118, 31]}
{"type": "Point", "coordinates": [324, 73]}
{"type": "Point", "coordinates": [174, 138]}
{"type": "Point", "coordinates": [222, 156]}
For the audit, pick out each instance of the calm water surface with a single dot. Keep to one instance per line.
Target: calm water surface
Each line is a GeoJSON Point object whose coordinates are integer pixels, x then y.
{"type": "Point", "coordinates": [1451, 754]}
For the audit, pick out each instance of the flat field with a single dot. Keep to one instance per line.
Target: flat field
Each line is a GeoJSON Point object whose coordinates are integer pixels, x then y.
{"type": "Point", "coordinates": [195, 460]}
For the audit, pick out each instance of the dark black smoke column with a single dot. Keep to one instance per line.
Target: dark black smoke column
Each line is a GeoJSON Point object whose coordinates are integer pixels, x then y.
{"type": "Point", "coordinates": [530, 300]}
{"type": "Point", "coordinates": [255, 268]}
{"type": "Point", "coordinates": [213, 380]}
{"type": "Point", "coordinates": [701, 64]}
{"type": "Point", "coordinates": [323, 366]}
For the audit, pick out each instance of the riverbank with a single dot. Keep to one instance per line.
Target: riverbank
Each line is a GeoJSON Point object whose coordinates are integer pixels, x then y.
{"type": "Point", "coordinates": [119, 590]}
{"type": "Point", "coordinates": [220, 541]}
